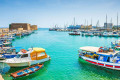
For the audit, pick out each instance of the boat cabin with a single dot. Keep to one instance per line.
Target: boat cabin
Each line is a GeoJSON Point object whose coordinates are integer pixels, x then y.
{"type": "Point", "coordinates": [32, 53]}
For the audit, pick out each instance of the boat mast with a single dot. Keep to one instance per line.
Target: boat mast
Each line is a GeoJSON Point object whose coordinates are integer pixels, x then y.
{"type": "Point", "coordinates": [97, 25]}
{"type": "Point", "coordinates": [74, 21]}
{"type": "Point", "coordinates": [91, 21]}
{"type": "Point", "coordinates": [111, 20]}
{"type": "Point", "coordinates": [106, 21]}
{"type": "Point", "coordinates": [117, 21]}
{"type": "Point", "coordinates": [85, 24]}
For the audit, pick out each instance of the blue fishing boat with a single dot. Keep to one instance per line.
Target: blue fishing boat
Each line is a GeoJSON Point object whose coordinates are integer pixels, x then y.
{"type": "Point", "coordinates": [103, 56]}
{"type": "Point", "coordinates": [27, 71]}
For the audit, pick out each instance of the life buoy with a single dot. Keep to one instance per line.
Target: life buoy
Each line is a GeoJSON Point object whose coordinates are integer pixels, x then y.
{"type": "Point", "coordinates": [23, 50]}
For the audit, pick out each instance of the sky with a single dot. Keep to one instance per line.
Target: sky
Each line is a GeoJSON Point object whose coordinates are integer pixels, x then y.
{"type": "Point", "coordinates": [48, 13]}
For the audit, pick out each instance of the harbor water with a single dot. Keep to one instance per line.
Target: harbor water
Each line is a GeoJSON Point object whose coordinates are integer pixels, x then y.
{"type": "Point", "coordinates": [65, 63]}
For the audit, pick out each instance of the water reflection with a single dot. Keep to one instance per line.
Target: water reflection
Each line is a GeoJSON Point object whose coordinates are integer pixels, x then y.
{"type": "Point", "coordinates": [4, 68]}
{"type": "Point", "coordinates": [109, 73]}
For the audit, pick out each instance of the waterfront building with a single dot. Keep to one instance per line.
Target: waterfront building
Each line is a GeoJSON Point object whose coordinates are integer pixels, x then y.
{"type": "Point", "coordinates": [33, 27]}
{"type": "Point", "coordinates": [16, 26]}
{"type": "Point", "coordinates": [4, 30]}
{"type": "Point", "coordinates": [74, 27]}
{"type": "Point", "coordinates": [108, 25]}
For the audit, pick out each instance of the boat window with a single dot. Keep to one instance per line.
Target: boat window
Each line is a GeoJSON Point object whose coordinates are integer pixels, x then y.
{"type": "Point", "coordinates": [101, 58]}
{"type": "Point", "coordinates": [18, 56]}
{"type": "Point", "coordinates": [41, 54]}
{"type": "Point", "coordinates": [24, 55]}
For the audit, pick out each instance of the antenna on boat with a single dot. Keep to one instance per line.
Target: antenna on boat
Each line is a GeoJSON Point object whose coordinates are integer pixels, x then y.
{"type": "Point", "coordinates": [32, 47]}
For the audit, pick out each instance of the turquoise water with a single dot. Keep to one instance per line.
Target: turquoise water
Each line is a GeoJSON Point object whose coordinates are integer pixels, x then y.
{"type": "Point", "coordinates": [64, 63]}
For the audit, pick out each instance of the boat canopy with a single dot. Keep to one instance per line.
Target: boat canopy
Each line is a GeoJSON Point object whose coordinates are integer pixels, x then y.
{"type": "Point", "coordinates": [38, 53]}
{"type": "Point", "coordinates": [95, 49]}
{"type": "Point", "coordinates": [90, 48]}
{"type": "Point", "coordinates": [38, 49]}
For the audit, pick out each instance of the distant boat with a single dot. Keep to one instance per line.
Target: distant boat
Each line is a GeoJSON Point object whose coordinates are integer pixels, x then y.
{"type": "Point", "coordinates": [105, 34]}
{"type": "Point", "coordinates": [115, 34]}
{"type": "Point", "coordinates": [89, 34]}
{"type": "Point", "coordinates": [74, 33]}
{"type": "Point", "coordinates": [26, 71]}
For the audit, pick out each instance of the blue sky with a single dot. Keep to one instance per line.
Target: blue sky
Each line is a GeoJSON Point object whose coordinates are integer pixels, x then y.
{"type": "Point", "coordinates": [47, 13]}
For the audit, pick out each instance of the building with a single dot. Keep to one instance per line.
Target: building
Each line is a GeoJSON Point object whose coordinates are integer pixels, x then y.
{"type": "Point", "coordinates": [33, 27]}
{"type": "Point", "coordinates": [74, 27]}
{"type": "Point", "coordinates": [4, 30]}
{"type": "Point", "coordinates": [86, 27]}
{"type": "Point", "coordinates": [16, 26]}
{"type": "Point", "coordinates": [108, 25]}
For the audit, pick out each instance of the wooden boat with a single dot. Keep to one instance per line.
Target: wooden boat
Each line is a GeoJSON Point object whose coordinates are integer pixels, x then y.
{"type": "Point", "coordinates": [28, 57]}
{"type": "Point", "coordinates": [103, 56]}
{"type": "Point", "coordinates": [26, 71]}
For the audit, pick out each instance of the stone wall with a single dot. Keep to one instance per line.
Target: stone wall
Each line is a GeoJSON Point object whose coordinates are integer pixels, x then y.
{"type": "Point", "coordinates": [33, 27]}
{"type": "Point", "coordinates": [15, 26]}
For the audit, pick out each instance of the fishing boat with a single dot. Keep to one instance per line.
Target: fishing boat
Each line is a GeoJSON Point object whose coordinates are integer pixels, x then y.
{"type": "Point", "coordinates": [74, 33]}
{"type": "Point", "coordinates": [101, 56]}
{"type": "Point", "coordinates": [26, 71]}
{"type": "Point", "coordinates": [27, 58]}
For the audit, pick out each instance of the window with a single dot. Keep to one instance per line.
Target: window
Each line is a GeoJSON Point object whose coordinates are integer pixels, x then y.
{"type": "Point", "coordinates": [18, 56]}
{"type": "Point", "coordinates": [41, 54]}
{"type": "Point", "coordinates": [24, 55]}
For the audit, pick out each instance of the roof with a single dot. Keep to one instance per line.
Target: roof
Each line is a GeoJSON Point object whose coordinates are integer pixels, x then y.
{"type": "Point", "coordinates": [39, 49]}
{"type": "Point", "coordinates": [90, 48]}
{"type": "Point", "coordinates": [95, 49]}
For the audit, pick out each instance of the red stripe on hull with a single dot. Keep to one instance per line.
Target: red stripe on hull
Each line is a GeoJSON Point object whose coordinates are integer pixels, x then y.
{"type": "Point", "coordinates": [101, 64]}
{"type": "Point", "coordinates": [91, 62]}
{"type": "Point", "coordinates": [109, 65]}
{"type": "Point", "coordinates": [117, 66]}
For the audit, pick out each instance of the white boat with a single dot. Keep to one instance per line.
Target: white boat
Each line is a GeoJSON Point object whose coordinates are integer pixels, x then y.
{"type": "Point", "coordinates": [103, 56]}
{"type": "Point", "coordinates": [27, 58]}
{"type": "Point", "coordinates": [115, 34]}
{"type": "Point", "coordinates": [105, 34]}
{"type": "Point", "coordinates": [89, 34]}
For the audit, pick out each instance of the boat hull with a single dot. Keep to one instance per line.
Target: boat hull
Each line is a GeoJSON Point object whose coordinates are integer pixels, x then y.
{"type": "Point", "coordinates": [115, 66]}
{"type": "Point", "coordinates": [22, 64]}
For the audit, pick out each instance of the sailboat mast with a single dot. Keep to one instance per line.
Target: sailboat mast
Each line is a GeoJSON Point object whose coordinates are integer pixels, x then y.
{"type": "Point", "coordinates": [91, 21]}
{"type": "Point", "coordinates": [111, 20]}
{"type": "Point", "coordinates": [117, 20]}
{"type": "Point", "coordinates": [106, 21]}
{"type": "Point", "coordinates": [74, 21]}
